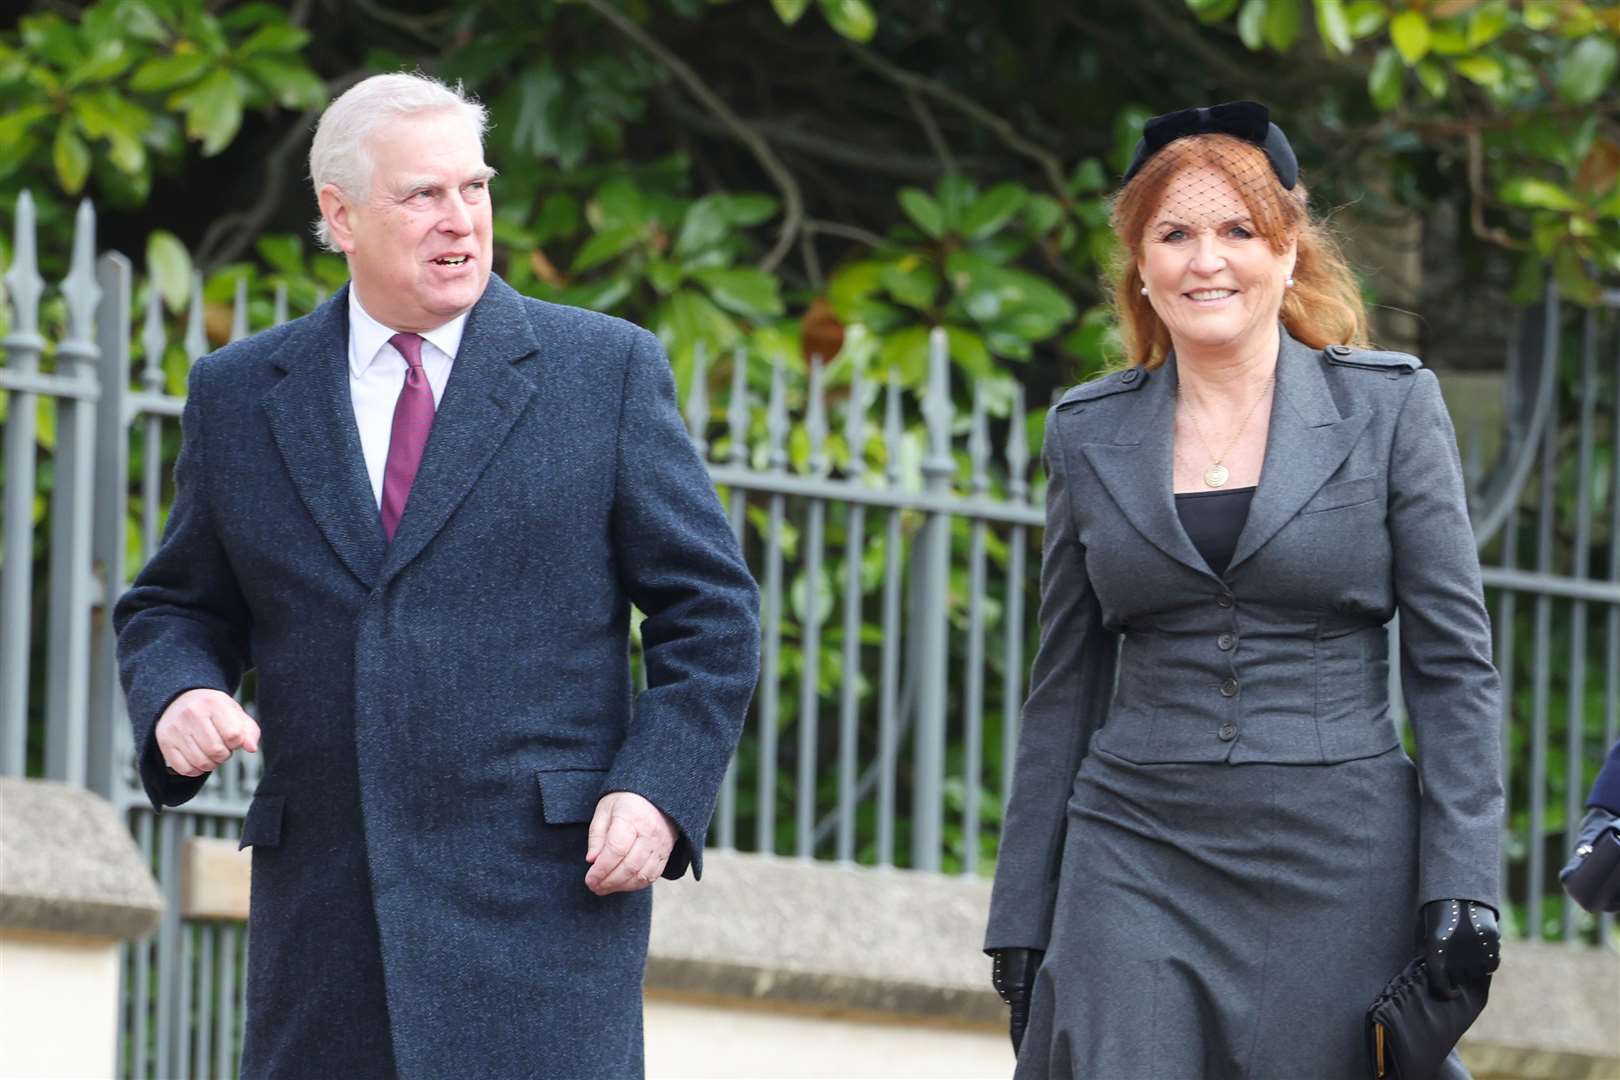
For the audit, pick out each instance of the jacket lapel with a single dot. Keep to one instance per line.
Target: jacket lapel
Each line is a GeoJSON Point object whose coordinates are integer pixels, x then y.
{"type": "Point", "coordinates": [1307, 441]}
{"type": "Point", "coordinates": [312, 422]}
{"type": "Point", "coordinates": [1136, 467]}
{"type": "Point", "coordinates": [483, 399]}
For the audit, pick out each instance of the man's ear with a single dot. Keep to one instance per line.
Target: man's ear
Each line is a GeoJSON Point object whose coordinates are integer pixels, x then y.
{"type": "Point", "coordinates": [335, 209]}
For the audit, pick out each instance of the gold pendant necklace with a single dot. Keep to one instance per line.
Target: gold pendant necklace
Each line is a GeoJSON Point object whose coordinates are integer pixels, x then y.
{"type": "Point", "coordinates": [1217, 474]}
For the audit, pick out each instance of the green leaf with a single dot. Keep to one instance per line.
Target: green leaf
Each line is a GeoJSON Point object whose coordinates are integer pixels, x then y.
{"type": "Point", "coordinates": [921, 208]}
{"type": "Point", "coordinates": [15, 124]}
{"type": "Point", "coordinates": [912, 282]}
{"type": "Point", "coordinates": [992, 210]}
{"type": "Point", "coordinates": [1384, 81]}
{"type": "Point", "coordinates": [854, 19]}
{"type": "Point", "coordinates": [1432, 75]}
{"type": "Point", "coordinates": [748, 292]}
{"type": "Point", "coordinates": [1332, 25]}
{"type": "Point", "coordinates": [275, 38]}
{"type": "Point", "coordinates": [747, 209]}
{"type": "Point", "coordinates": [905, 351]}
{"type": "Point", "coordinates": [108, 60]}
{"type": "Point", "coordinates": [213, 110]}
{"type": "Point", "coordinates": [707, 222]}
{"type": "Point", "coordinates": [1448, 39]}
{"type": "Point", "coordinates": [559, 216]}
{"type": "Point", "coordinates": [1486, 24]}
{"type": "Point", "coordinates": [1539, 16]}
{"type": "Point", "coordinates": [1410, 32]}
{"type": "Point", "coordinates": [283, 252]}
{"type": "Point", "coordinates": [1366, 17]}
{"type": "Point", "coordinates": [790, 11]}
{"type": "Point", "coordinates": [1587, 69]}
{"type": "Point", "coordinates": [169, 266]}
{"type": "Point", "coordinates": [1282, 24]}
{"type": "Point", "coordinates": [1042, 213]}
{"type": "Point", "coordinates": [605, 245]}
{"type": "Point", "coordinates": [969, 351]}
{"type": "Point", "coordinates": [71, 157]}
{"type": "Point", "coordinates": [1088, 177]}
{"type": "Point", "coordinates": [289, 82]}
{"type": "Point", "coordinates": [1213, 11]}
{"type": "Point", "coordinates": [1535, 192]}
{"type": "Point", "coordinates": [168, 72]}
{"type": "Point", "coordinates": [1251, 22]}
{"type": "Point", "coordinates": [1483, 70]}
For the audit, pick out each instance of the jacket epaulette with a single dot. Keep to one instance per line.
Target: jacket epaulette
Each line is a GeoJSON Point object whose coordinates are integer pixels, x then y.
{"type": "Point", "coordinates": [1391, 363]}
{"type": "Point", "coordinates": [1116, 382]}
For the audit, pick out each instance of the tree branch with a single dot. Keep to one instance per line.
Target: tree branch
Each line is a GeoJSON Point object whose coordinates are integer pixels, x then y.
{"type": "Point", "coordinates": [926, 118]}
{"type": "Point", "coordinates": [1001, 128]}
{"type": "Point", "coordinates": [792, 198]}
{"type": "Point", "coordinates": [1477, 196]}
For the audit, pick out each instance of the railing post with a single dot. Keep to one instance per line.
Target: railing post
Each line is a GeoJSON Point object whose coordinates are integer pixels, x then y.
{"type": "Point", "coordinates": [23, 347]}
{"type": "Point", "coordinates": [68, 651]}
{"type": "Point", "coordinates": [107, 726]}
{"type": "Point", "coordinates": [928, 762]}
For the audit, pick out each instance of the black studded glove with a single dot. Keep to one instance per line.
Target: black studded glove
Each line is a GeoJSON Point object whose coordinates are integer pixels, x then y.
{"type": "Point", "coordinates": [1460, 944]}
{"type": "Point", "coordinates": [1012, 972]}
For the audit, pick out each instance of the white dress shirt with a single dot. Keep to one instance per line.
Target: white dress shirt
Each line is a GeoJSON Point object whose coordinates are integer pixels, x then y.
{"type": "Point", "coordinates": [377, 374]}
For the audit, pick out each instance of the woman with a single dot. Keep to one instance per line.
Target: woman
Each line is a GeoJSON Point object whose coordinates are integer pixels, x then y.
{"type": "Point", "coordinates": [1211, 866]}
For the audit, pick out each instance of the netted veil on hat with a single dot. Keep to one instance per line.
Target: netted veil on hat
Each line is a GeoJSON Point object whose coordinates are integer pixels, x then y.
{"type": "Point", "coordinates": [1246, 120]}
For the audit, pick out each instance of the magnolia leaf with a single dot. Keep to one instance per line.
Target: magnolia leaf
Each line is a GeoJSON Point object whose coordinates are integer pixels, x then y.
{"type": "Point", "coordinates": [921, 208]}
{"type": "Point", "coordinates": [748, 292]}
{"type": "Point", "coordinates": [71, 157]}
{"type": "Point", "coordinates": [790, 11]}
{"type": "Point", "coordinates": [168, 264]}
{"type": "Point", "coordinates": [1433, 78]}
{"type": "Point", "coordinates": [1333, 26]}
{"type": "Point", "coordinates": [1587, 70]}
{"type": "Point", "coordinates": [1282, 24]}
{"type": "Point", "coordinates": [1384, 81]}
{"type": "Point", "coordinates": [992, 210]}
{"type": "Point", "coordinates": [1251, 23]}
{"type": "Point", "coordinates": [1535, 192]}
{"type": "Point", "coordinates": [1484, 70]}
{"type": "Point", "coordinates": [1366, 17]}
{"type": "Point", "coordinates": [854, 19]}
{"type": "Point", "coordinates": [1410, 32]}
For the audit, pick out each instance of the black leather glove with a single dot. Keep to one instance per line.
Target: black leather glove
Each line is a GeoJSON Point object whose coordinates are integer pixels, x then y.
{"type": "Point", "coordinates": [1012, 972]}
{"type": "Point", "coordinates": [1460, 944]}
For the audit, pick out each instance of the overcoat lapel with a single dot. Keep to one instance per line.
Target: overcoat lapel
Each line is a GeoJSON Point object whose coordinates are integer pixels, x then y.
{"type": "Point", "coordinates": [1137, 467]}
{"type": "Point", "coordinates": [1308, 440]}
{"type": "Point", "coordinates": [312, 422]}
{"type": "Point", "coordinates": [483, 399]}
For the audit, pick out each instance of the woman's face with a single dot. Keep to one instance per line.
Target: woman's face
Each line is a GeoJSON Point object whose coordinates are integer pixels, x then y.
{"type": "Point", "coordinates": [1210, 276]}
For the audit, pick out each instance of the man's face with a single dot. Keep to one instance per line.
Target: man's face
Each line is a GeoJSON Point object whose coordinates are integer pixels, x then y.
{"type": "Point", "coordinates": [419, 243]}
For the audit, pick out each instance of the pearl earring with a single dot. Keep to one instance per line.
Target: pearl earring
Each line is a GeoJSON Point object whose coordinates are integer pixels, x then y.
{"type": "Point", "coordinates": [1144, 290]}
{"type": "Point", "coordinates": [1289, 283]}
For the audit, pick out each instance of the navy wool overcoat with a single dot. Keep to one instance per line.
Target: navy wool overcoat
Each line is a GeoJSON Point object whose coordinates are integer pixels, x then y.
{"type": "Point", "coordinates": [441, 713]}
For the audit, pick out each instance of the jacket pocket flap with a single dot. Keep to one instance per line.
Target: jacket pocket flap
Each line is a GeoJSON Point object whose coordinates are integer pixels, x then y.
{"type": "Point", "coordinates": [262, 827]}
{"type": "Point", "coordinates": [1344, 493]}
{"type": "Point", "coordinates": [570, 795]}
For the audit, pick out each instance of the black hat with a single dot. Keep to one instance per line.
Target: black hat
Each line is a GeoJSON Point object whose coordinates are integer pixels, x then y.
{"type": "Point", "coordinates": [1246, 120]}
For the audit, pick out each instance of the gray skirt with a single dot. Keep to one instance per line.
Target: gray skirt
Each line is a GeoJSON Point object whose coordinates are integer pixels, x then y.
{"type": "Point", "coordinates": [1226, 921]}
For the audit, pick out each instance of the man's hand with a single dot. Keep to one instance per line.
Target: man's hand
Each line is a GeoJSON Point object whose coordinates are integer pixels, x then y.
{"type": "Point", "coordinates": [198, 731]}
{"type": "Point", "coordinates": [630, 841]}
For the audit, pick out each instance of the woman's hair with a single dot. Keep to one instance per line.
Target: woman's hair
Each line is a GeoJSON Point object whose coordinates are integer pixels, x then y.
{"type": "Point", "coordinates": [339, 154]}
{"type": "Point", "coordinates": [1323, 306]}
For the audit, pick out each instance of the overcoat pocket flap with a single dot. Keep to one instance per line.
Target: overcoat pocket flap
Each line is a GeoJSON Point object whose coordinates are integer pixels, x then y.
{"type": "Point", "coordinates": [570, 795]}
{"type": "Point", "coordinates": [262, 827]}
{"type": "Point", "coordinates": [1344, 493]}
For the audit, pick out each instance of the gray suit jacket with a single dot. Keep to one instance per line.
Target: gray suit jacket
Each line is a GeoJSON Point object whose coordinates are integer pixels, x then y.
{"type": "Point", "coordinates": [1149, 655]}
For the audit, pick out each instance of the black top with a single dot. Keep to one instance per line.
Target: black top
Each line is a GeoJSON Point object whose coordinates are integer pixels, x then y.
{"type": "Point", "coordinates": [1213, 520]}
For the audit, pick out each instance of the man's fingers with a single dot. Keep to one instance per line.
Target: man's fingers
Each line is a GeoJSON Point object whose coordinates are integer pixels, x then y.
{"type": "Point", "coordinates": [194, 754]}
{"type": "Point", "coordinates": [638, 869]}
{"type": "Point", "coordinates": [236, 728]}
{"type": "Point", "coordinates": [618, 838]}
{"type": "Point", "coordinates": [250, 734]}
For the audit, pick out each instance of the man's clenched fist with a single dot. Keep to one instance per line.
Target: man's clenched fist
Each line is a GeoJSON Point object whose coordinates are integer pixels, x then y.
{"type": "Point", "coordinates": [630, 841]}
{"type": "Point", "coordinates": [200, 728]}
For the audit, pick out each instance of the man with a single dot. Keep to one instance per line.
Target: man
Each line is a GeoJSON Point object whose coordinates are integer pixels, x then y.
{"type": "Point", "coordinates": [422, 514]}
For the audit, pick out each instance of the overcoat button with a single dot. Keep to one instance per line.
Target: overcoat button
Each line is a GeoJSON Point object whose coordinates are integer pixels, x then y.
{"type": "Point", "coordinates": [1229, 688]}
{"type": "Point", "coordinates": [1225, 642]}
{"type": "Point", "coordinates": [1339, 350]}
{"type": "Point", "coordinates": [1224, 599]}
{"type": "Point", "coordinates": [1228, 731]}
{"type": "Point", "coordinates": [1130, 376]}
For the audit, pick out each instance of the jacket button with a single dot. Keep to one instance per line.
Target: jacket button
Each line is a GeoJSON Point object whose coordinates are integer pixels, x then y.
{"type": "Point", "coordinates": [1228, 731]}
{"type": "Point", "coordinates": [1225, 642]}
{"type": "Point", "coordinates": [1339, 350]}
{"type": "Point", "coordinates": [1130, 375]}
{"type": "Point", "coordinates": [1224, 599]}
{"type": "Point", "coordinates": [1229, 688]}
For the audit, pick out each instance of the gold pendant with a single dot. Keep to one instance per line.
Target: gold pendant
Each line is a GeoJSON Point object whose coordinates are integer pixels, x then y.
{"type": "Point", "coordinates": [1216, 475]}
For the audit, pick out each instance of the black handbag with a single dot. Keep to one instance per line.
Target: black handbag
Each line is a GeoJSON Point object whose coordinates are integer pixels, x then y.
{"type": "Point", "coordinates": [1592, 878]}
{"type": "Point", "coordinates": [1410, 1031]}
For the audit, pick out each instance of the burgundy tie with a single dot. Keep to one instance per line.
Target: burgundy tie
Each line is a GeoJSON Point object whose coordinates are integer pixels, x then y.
{"type": "Point", "coordinates": [413, 419]}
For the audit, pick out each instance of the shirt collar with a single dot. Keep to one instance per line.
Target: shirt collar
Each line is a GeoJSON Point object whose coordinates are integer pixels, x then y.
{"type": "Point", "coordinates": [367, 336]}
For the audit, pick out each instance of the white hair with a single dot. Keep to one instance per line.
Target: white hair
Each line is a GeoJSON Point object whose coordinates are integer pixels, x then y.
{"type": "Point", "coordinates": [340, 155]}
